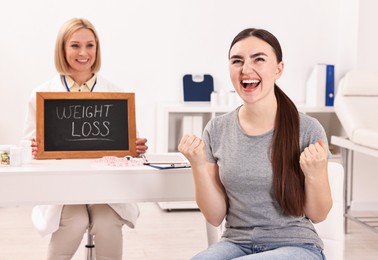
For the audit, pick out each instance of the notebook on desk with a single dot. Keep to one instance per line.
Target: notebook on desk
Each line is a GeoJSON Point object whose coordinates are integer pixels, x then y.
{"type": "Point", "coordinates": [166, 160]}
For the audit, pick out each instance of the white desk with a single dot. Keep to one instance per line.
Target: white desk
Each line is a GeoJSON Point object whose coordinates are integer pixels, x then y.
{"type": "Point", "coordinates": [80, 181]}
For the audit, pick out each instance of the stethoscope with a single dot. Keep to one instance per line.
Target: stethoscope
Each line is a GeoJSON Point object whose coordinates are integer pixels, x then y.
{"type": "Point", "coordinates": [68, 89]}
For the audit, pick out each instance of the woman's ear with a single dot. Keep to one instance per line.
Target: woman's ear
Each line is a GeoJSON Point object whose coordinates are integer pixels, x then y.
{"type": "Point", "coordinates": [280, 68]}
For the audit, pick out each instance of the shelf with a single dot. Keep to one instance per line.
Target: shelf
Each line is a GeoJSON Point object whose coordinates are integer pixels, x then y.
{"type": "Point", "coordinates": [307, 109]}
{"type": "Point", "coordinates": [195, 107]}
{"type": "Point", "coordinates": [206, 107]}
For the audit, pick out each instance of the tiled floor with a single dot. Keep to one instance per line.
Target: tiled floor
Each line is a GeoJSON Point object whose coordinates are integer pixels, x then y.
{"type": "Point", "coordinates": [159, 235]}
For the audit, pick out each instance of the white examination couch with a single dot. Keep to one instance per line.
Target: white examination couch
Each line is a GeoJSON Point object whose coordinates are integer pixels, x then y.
{"type": "Point", "coordinates": [356, 106]}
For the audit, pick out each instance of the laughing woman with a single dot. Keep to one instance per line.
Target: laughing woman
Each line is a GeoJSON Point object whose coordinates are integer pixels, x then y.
{"type": "Point", "coordinates": [263, 166]}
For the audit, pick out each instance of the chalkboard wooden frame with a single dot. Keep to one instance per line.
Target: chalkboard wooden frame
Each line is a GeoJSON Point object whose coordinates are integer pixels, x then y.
{"type": "Point", "coordinates": [43, 97]}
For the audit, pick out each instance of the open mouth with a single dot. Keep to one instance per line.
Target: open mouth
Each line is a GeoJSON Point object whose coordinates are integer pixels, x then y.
{"type": "Point", "coordinates": [82, 60]}
{"type": "Point", "coordinates": [250, 83]}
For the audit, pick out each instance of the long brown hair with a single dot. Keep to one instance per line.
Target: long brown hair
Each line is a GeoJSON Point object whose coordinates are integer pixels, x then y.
{"type": "Point", "coordinates": [288, 178]}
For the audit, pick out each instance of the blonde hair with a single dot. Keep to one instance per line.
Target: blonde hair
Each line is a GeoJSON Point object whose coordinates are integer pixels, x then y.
{"type": "Point", "coordinates": [65, 32]}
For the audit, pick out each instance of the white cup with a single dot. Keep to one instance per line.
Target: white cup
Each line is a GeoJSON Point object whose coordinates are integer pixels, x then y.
{"type": "Point", "coordinates": [214, 98]}
{"type": "Point", "coordinates": [222, 97]}
{"type": "Point", "coordinates": [27, 154]}
{"type": "Point", "coordinates": [232, 96]}
{"type": "Point", "coordinates": [16, 155]}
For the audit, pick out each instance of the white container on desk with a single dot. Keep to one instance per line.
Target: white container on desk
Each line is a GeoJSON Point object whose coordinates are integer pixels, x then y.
{"type": "Point", "coordinates": [16, 155]}
{"type": "Point", "coordinates": [26, 151]}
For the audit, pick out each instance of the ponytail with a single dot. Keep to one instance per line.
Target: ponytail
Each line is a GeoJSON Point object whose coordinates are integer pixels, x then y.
{"type": "Point", "coordinates": [288, 178]}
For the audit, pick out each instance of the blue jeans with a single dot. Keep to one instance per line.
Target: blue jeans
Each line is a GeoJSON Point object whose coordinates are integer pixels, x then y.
{"type": "Point", "coordinates": [225, 250]}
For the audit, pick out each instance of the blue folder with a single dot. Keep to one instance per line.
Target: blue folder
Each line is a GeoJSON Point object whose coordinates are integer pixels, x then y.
{"type": "Point", "coordinates": [330, 85]}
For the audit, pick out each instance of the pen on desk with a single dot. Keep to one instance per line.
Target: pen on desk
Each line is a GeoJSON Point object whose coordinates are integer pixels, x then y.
{"type": "Point", "coordinates": [144, 158]}
{"type": "Point", "coordinates": [180, 165]}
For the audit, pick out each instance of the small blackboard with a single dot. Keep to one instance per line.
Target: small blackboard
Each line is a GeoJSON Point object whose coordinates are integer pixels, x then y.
{"type": "Point", "coordinates": [85, 125]}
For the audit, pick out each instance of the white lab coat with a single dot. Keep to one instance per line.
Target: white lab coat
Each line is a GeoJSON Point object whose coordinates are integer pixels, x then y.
{"type": "Point", "coordinates": [46, 218]}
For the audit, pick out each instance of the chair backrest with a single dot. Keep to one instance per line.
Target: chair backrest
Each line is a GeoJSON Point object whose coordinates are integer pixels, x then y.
{"type": "Point", "coordinates": [331, 230]}
{"type": "Point", "coordinates": [356, 105]}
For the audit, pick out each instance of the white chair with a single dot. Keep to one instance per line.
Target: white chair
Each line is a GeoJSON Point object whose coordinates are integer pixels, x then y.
{"type": "Point", "coordinates": [331, 230]}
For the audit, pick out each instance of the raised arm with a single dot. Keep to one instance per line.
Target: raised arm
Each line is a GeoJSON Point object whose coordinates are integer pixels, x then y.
{"type": "Point", "coordinates": [210, 195]}
{"type": "Point", "coordinates": [314, 164]}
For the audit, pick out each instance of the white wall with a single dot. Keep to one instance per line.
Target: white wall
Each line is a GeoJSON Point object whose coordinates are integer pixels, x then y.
{"type": "Point", "coordinates": [149, 45]}
{"type": "Point", "coordinates": [367, 37]}
{"type": "Point", "coordinates": [365, 192]}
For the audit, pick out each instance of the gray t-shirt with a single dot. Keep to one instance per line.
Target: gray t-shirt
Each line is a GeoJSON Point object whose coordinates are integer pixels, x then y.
{"type": "Point", "coordinates": [245, 170]}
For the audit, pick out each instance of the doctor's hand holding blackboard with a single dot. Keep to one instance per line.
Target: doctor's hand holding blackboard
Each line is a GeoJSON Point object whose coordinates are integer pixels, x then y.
{"type": "Point", "coordinates": [78, 60]}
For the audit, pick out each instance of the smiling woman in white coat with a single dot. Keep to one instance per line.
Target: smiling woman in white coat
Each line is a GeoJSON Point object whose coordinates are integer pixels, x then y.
{"type": "Point", "coordinates": [77, 60]}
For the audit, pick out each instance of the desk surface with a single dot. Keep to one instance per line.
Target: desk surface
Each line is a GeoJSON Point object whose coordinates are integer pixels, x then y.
{"type": "Point", "coordinates": [79, 181]}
